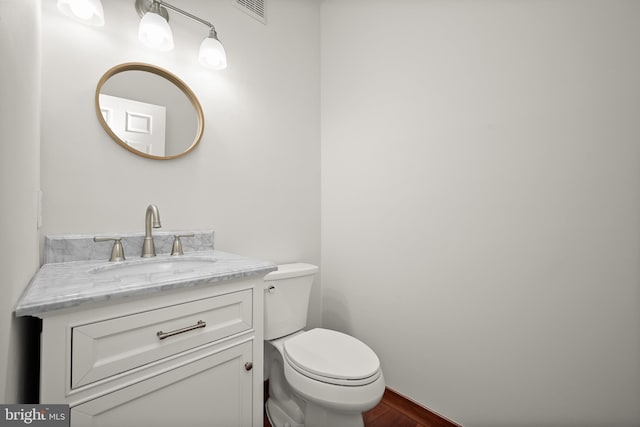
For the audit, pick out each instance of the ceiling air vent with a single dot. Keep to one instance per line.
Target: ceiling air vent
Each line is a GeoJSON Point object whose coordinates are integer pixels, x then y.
{"type": "Point", "coordinates": [253, 8]}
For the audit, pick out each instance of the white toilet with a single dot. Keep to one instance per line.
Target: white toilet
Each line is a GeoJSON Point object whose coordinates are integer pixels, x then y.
{"type": "Point", "coordinates": [317, 378]}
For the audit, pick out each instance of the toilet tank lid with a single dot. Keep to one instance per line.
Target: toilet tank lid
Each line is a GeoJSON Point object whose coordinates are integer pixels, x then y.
{"type": "Point", "coordinates": [286, 271]}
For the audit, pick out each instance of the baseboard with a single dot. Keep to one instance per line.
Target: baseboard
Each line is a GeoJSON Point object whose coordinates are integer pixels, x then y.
{"type": "Point", "coordinates": [414, 410]}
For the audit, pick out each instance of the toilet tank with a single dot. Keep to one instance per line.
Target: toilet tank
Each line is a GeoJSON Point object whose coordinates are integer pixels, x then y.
{"type": "Point", "coordinates": [286, 299]}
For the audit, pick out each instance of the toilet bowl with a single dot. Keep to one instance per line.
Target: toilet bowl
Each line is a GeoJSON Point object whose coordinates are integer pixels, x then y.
{"type": "Point", "coordinates": [319, 377]}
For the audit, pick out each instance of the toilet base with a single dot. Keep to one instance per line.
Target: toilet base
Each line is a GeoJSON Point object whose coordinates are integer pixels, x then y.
{"type": "Point", "coordinates": [317, 416]}
{"type": "Point", "coordinates": [278, 417]}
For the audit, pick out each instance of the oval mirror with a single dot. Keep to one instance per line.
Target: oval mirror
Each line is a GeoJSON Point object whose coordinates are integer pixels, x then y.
{"type": "Point", "coordinates": [149, 111]}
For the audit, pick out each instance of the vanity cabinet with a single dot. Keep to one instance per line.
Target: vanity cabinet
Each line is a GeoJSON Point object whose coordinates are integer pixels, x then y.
{"type": "Point", "coordinates": [190, 357]}
{"type": "Point", "coordinates": [188, 395]}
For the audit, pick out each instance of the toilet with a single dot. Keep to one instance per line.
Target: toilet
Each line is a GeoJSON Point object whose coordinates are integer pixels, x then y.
{"type": "Point", "coordinates": [320, 377]}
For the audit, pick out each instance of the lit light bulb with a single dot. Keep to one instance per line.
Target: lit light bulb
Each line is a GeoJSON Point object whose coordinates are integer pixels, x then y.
{"type": "Point", "coordinates": [86, 11]}
{"type": "Point", "coordinates": [154, 32]}
{"type": "Point", "coordinates": [212, 54]}
{"type": "Point", "coordinates": [81, 9]}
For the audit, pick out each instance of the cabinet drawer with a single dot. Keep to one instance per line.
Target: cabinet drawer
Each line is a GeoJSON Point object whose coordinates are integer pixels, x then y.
{"type": "Point", "coordinates": [102, 349]}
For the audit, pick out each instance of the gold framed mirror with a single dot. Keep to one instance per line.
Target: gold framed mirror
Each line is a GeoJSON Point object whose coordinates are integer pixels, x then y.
{"type": "Point", "coordinates": [149, 111]}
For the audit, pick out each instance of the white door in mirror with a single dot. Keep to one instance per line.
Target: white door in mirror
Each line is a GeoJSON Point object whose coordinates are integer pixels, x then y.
{"type": "Point", "coordinates": [139, 124]}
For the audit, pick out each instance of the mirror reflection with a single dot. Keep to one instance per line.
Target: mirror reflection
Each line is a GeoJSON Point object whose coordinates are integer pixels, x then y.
{"type": "Point", "coordinates": [149, 111]}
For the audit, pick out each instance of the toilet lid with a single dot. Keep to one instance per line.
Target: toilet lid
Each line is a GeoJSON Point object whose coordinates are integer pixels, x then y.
{"type": "Point", "coordinates": [330, 355]}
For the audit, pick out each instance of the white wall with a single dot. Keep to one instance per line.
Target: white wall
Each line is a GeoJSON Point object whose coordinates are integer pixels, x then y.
{"type": "Point", "coordinates": [479, 181]}
{"type": "Point", "coordinates": [254, 178]}
{"type": "Point", "coordinates": [481, 203]}
{"type": "Point", "coordinates": [19, 179]}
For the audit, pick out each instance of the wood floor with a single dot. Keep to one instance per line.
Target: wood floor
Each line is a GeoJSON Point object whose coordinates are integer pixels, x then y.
{"type": "Point", "coordinates": [397, 411]}
{"type": "Point", "coordinates": [382, 415]}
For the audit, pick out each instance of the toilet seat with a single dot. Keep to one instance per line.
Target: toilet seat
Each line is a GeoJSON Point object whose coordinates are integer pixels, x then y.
{"type": "Point", "coordinates": [332, 357]}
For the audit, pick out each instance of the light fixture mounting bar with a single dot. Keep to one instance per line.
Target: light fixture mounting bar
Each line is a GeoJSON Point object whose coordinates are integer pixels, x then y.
{"type": "Point", "coordinates": [185, 13]}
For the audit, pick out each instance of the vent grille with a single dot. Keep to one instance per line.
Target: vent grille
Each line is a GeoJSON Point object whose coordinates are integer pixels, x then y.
{"type": "Point", "coordinates": [253, 8]}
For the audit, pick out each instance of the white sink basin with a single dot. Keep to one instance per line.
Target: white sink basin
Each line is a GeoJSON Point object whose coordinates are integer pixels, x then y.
{"type": "Point", "coordinates": [173, 266]}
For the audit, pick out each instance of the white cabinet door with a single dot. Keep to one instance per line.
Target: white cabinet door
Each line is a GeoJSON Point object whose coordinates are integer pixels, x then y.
{"type": "Point", "coordinates": [214, 390]}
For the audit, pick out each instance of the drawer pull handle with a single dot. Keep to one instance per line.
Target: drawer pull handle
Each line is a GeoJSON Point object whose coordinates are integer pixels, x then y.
{"type": "Point", "coordinates": [163, 335]}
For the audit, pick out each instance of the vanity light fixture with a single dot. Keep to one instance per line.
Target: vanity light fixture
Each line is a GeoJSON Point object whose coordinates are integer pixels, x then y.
{"type": "Point", "coordinates": [86, 11]}
{"type": "Point", "coordinates": [154, 32]}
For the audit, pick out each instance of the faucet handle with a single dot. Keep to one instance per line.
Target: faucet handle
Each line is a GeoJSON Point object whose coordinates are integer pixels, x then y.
{"type": "Point", "coordinates": [176, 249]}
{"type": "Point", "coordinates": [117, 251]}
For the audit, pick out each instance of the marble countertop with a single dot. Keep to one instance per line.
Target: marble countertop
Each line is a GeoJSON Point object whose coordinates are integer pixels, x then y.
{"type": "Point", "coordinates": [61, 285]}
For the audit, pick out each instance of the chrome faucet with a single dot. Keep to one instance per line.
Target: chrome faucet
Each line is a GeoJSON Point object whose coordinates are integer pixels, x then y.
{"type": "Point", "coordinates": [151, 218]}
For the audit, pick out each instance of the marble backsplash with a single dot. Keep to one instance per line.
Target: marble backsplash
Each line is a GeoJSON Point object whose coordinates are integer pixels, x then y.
{"type": "Point", "coordinates": [81, 247]}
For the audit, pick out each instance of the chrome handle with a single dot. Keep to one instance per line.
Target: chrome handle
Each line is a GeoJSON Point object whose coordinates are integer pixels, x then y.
{"type": "Point", "coordinates": [117, 251]}
{"type": "Point", "coordinates": [271, 289]}
{"type": "Point", "coordinates": [163, 335]}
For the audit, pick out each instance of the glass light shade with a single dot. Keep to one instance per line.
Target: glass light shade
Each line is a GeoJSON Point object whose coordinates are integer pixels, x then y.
{"type": "Point", "coordinates": [154, 32]}
{"type": "Point", "coordinates": [212, 54]}
{"type": "Point", "coordinates": [86, 11]}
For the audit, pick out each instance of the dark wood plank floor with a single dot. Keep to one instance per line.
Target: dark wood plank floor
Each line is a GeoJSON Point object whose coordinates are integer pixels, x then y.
{"type": "Point", "coordinates": [394, 410]}
{"type": "Point", "coordinates": [382, 415]}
